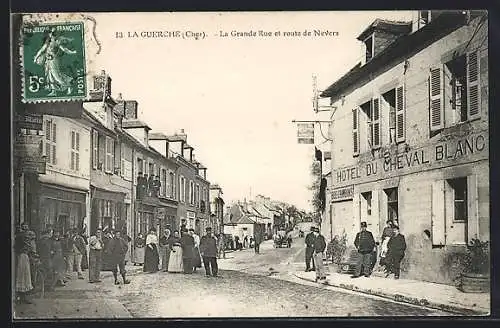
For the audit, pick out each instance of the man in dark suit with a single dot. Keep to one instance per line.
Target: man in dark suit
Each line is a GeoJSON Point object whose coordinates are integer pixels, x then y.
{"type": "Point", "coordinates": [319, 248]}
{"type": "Point", "coordinates": [117, 249]}
{"type": "Point", "coordinates": [208, 250]}
{"type": "Point", "coordinates": [365, 243]}
{"type": "Point", "coordinates": [187, 245]}
{"type": "Point", "coordinates": [396, 251]}
{"type": "Point", "coordinates": [310, 251]}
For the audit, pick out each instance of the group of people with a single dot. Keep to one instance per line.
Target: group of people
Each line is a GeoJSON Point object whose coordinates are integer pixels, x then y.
{"type": "Point", "coordinates": [392, 252]}
{"type": "Point", "coordinates": [315, 246]}
{"type": "Point", "coordinates": [57, 256]}
{"type": "Point", "coordinates": [182, 251]}
{"type": "Point", "coordinates": [148, 186]}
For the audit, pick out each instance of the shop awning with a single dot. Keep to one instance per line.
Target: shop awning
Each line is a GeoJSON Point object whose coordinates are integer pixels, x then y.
{"type": "Point", "coordinates": [110, 192]}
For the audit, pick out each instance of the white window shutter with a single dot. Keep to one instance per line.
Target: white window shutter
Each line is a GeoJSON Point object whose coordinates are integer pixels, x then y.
{"type": "Point", "coordinates": [436, 108]}
{"type": "Point", "coordinates": [106, 151]}
{"type": "Point", "coordinates": [400, 114]}
{"type": "Point", "coordinates": [77, 141]}
{"type": "Point", "coordinates": [355, 131]}
{"type": "Point", "coordinates": [473, 86]}
{"type": "Point", "coordinates": [375, 213]}
{"type": "Point", "coordinates": [376, 139]}
{"type": "Point", "coordinates": [472, 208]}
{"type": "Point", "coordinates": [438, 219]}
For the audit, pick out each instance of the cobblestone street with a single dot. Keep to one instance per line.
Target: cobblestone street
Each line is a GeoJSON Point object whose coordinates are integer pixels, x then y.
{"type": "Point", "coordinates": [253, 290]}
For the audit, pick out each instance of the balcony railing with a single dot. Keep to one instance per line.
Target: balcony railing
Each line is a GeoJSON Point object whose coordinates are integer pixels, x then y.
{"type": "Point", "coordinates": [147, 187]}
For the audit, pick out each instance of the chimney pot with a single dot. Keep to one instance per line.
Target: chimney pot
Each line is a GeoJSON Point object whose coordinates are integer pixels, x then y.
{"type": "Point", "coordinates": [103, 72]}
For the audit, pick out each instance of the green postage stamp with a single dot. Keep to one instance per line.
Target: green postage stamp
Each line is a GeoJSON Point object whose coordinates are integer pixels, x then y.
{"type": "Point", "coordinates": [53, 59]}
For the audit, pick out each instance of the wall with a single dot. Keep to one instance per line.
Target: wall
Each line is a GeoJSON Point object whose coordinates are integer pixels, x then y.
{"type": "Point", "coordinates": [160, 146]}
{"type": "Point", "coordinates": [61, 172]}
{"type": "Point", "coordinates": [416, 164]}
{"type": "Point", "coordinates": [139, 134]}
{"type": "Point", "coordinates": [189, 173]}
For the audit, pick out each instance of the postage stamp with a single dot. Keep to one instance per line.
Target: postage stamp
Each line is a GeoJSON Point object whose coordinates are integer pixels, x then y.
{"type": "Point", "coordinates": [53, 59]}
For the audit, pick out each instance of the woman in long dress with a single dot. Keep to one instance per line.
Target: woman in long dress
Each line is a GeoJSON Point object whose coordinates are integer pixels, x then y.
{"type": "Point", "coordinates": [140, 242]}
{"type": "Point", "coordinates": [175, 262]}
{"type": "Point", "coordinates": [196, 250]}
{"type": "Point", "coordinates": [23, 248]}
{"type": "Point", "coordinates": [151, 256]}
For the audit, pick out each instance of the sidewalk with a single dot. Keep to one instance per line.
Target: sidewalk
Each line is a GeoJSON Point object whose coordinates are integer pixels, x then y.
{"type": "Point", "coordinates": [431, 295]}
{"type": "Point", "coordinates": [79, 299]}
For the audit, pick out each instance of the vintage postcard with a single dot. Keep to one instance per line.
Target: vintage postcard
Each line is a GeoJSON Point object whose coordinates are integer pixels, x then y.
{"type": "Point", "coordinates": [250, 164]}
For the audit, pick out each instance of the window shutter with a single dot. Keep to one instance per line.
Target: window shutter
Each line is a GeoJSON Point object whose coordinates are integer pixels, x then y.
{"type": "Point", "coordinates": [472, 208]}
{"type": "Point", "coordinates": [112, 155]}
{"type": "Point", "coordinates": [400, 114]}
{"type": "Point", "coordinates": [438, 219]}
{"type": "Point", "coordinates": [77, 161]}
{"type": "Point", "coordinates": [436, 110]}
{"type": "Point", "coordinates": [473, 90]}
{"type": "Point", "coordinates": [122, 168]}
{"type": "Point", "coordinates": [106, 151]}
{"type": "Point", "coordinates": [72, 140]}
{"type": "Point", "coordinates": [54, 127]}
{"type": "Point", "coordinates": [48, 130]}
{"type": "Point", "coordinates": [355, 131]}
{"type": "Point", "coordinates": [72, 160]}
{"type": "Point", "coordinates": [77, 141]}
{"type": "Point", "coordinates": [376, 139]}
{"type": "Point", "coordinates": [95, 151]}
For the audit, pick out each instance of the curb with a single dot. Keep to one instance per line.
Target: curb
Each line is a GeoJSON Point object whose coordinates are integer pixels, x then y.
{"type": "Point", "coordinates": [406, 299]}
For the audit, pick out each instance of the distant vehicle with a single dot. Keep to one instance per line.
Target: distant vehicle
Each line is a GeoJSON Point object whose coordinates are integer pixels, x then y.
{"type": "Point", "coordinates": [282, 239]}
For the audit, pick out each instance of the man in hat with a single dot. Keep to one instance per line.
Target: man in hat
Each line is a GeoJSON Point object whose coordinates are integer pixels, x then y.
{"type": "Point", "coordinates": [310, 251]}
{"type": "Point", "coordinates": [365, 243]}
{"type": "Point", "coordinates": [96, 245]}
{"type": "Point", "coordinates": [208, 249]}
{"type": "Point", "coordinates": [396, 251]}
{"type": "Point", "coordinates": [187, 245]}
{"type": "Point", "coordinates": [117, 249]}
{"type": "Point", "coordinates": [319, 248]}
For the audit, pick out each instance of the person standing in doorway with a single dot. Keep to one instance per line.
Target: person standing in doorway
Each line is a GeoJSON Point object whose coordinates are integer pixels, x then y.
{"type": "Point", "coordinates": [140, 242]}
{"type": "Point", "coordinates": [165, 249]}
{"type": "Point", "coordinates": [319, 248]}
{"type": "Point", "coordinates": [96, 246]}
{"type": "Point", "coordinates": [396, 251]}
{"type": "Point", "coordinates": [117, 250]}
{"type": "Point", "coordinates": [365, 243]}
{"type": "Point", "coordinates": [208, 249]}
{"type": "Point", "coordinates": [187, 244]}
{"type": "Point", "coordinates": [310, 250]}
{"type": "Point", "coordinates": [387, 233]}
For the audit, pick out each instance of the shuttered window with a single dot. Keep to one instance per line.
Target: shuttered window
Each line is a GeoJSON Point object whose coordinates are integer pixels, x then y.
{"type": "Point", "coordinates": [75, 151]}
{"type": "Point", "coordinates": [376, 129]}
{"type": "Point", "coordinates": [473, 90]}
{"type": "Point", "coordinates": [355, 131]}
{"type": "Point", "coordinates": [50, 141]}
{"type": "Point", "coordinates": [95, 149]}
{"type": "Point", "coordinates": [400, 114]}
{"type": "Point", "coordinates": [436, 110]}
{"type": "Point", "coordinates": [438, 220]}
{"type": "Point", "coordinates": [110, 154]}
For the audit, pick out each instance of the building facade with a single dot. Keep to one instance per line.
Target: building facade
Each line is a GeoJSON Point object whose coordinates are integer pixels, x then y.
{"type": "Point", "coordinates": [217, 208]}
{"type": "Point", "coordinates": [411, 138]}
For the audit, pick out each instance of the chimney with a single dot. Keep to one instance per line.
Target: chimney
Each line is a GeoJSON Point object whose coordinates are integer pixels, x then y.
{"type": "Point", "coordinates": [131, 109]}
{"type": "Point", "coordinates": [182, 131]}
{"type": "Point", "coordinates": [119, 98]}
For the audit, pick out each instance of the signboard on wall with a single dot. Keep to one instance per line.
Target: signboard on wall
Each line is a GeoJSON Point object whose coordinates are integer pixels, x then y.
{"type": "Point", "coordinates": [31, 121]}
{"type": "Point", "coordinates": [305, 133]}
{"type": "Point", "coordinates": [28, 145]}
{"type": "Point", "coordinates": [344, 193]}
{"type": "Point", "coordinates": [191, 215]}
{"type": "Point", "coordinates": [453, 151]}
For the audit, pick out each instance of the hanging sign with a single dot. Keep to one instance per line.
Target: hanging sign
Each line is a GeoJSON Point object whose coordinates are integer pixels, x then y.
{"type": "Point", "coordinates": [305, 133]}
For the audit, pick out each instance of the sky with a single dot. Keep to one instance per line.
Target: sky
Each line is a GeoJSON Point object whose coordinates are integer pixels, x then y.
{"type": "Point", "coordinates": [235, 97]}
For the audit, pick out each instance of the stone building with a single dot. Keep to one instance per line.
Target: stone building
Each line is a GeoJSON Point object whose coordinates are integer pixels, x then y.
{"type": "Point", "coordinates": [411, 138]}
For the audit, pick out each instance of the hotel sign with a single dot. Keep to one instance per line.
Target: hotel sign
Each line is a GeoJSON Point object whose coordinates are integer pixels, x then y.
{"type": "Point", "coordinates": [462, 150]}
{"type": "Point", "coordinates": [344, 193]}
{"type": "Point", "coordinates": [29, 121]}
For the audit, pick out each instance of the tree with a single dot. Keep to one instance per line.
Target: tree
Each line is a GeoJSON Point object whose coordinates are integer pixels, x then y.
{"type": "Point", "coordinates": [316, 201]}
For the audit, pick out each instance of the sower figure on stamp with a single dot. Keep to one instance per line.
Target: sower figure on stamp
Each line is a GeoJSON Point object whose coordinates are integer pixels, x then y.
{"type": "Point", "coordinates": [117, 249]}
{"type": "Point", "coordinates": [365, 243]}
{"type": "Point", "coordinates": [310, 250]}
{"type": "Point", "coordinates": [208, 249]}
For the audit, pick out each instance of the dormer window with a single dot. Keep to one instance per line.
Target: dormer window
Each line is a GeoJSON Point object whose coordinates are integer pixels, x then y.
{"type": "Point", "coordinates": [369, 51]}
{"type": "Point", "coordinates": [424, 18]}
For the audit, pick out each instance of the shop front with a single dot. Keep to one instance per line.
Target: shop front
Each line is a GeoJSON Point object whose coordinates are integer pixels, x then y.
{"type": "Point", "coordinates": [61, 208]}
{"type": "Point", "coordinates": [108, 210]}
